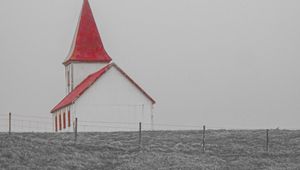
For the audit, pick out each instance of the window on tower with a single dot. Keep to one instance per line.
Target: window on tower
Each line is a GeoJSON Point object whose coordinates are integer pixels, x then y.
{"type": "Point", "coordinates": [68, 78]}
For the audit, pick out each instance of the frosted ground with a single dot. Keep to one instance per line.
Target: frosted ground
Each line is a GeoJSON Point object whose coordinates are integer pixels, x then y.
{"type": "Point", "coordinates": [225, 149]}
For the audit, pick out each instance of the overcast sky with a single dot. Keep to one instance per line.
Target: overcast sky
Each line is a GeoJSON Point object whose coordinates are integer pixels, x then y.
{"type": "Point", "coordinates": [229, 64]}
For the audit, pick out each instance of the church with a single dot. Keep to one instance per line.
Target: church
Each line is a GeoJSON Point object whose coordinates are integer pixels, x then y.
{"type": "Point", "coordinates": [99, 93]}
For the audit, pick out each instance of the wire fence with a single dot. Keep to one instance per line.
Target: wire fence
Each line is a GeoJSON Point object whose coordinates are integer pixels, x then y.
{"type": "Point", "coordinates": [25, 123]}
{"type": "Point", "coordinates": [33, 123]}
{"type": "Point", "coordinates": [143, 136]}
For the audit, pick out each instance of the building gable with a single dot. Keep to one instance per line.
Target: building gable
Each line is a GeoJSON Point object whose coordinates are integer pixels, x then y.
{"type": "Point", "coordinates": [89, 81]}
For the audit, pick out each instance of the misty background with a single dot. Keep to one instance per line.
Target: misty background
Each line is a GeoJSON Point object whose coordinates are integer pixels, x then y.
{"type": "Point", "coordinates": [226, 64]}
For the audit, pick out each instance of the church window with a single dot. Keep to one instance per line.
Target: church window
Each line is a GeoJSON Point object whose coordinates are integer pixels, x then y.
{"type": "Point", "coordinates": [68, 78]}
{"type": "Point", "coordinates": [69, 118]}
{"type": "Point", "coordinates": [64, 120]}
{"type": "Point", "coordinates": [55, 123]}
{"type": "Point", "coordinates": [59, 121]}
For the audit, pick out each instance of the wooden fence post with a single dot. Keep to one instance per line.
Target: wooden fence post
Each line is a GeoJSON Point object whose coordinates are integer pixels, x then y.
{"type": "Point", "coordinates": [76, 126]}
{"type": "Point", "coordinates": [267, 140]}
{"type": "Point", "coordinates": [140, 134]}
{"type": "Point", "coordinates": [9, 123]}
{"type": "Point", "coordinates": [203, 139]}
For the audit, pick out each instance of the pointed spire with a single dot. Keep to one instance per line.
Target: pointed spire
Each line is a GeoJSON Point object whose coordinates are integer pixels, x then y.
{"type": "Point", "coordinates": [87, 45]}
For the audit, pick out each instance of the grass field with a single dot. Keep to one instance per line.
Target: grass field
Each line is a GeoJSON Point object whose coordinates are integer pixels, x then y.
{"type": "Point", "coordinates": [225, 149]}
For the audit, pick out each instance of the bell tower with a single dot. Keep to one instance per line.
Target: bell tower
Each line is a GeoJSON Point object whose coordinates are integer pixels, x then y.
{"type": "Point", "coordinates": [87, 53]}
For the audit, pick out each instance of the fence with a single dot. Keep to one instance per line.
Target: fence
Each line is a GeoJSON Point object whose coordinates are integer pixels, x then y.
{"type": "Point", "coordinates": [12, 122]}
{"type": "Point", "coordinates": [29, 123]}
{"type": "Point", "coordinates": [25, 123]}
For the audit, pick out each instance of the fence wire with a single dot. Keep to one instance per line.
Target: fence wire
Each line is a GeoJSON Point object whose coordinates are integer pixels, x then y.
{"type": "Point", "coordinates": [219, 141]}
{"type": "Point", "coordinates": [34, 123]}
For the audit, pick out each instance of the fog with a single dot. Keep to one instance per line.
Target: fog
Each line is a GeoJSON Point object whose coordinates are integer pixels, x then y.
{"type": "Point", "coordinates": [225, 64]}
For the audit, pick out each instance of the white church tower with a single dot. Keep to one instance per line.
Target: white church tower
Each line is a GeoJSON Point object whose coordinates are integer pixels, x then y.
{"type": "Point", "coordinates": [87, 53]}
{"type": "Point", "coordinates": [98, 92]}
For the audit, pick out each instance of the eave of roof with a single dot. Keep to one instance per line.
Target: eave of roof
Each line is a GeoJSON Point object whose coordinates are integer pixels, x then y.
{"type": "Point", "coordinates": [135, 84]}
{"type": "Point", "coordinates": [80, 89]}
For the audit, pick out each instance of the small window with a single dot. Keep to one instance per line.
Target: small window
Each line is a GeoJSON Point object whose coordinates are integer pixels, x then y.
{"type": "Point", "coordinates": [55, 123]}
{"type": "Point", "coordinates": [64, 120]}
{"type": "Point", "coordinates": [59, 121]}
{"type": "Point", "coordinates": [69, 118]}
{"type": "Point", "coordinates": [68, 78]}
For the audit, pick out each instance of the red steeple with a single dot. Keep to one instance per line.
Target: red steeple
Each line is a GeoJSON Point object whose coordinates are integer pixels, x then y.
{"type": "Point", "coordinates": [87, 45]}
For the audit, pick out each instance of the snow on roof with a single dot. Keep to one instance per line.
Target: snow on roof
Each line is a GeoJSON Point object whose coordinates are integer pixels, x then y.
{"type": "Point", "coordinates": [89, 81]}
{"type": "Point", "coordinates": [87, 45]}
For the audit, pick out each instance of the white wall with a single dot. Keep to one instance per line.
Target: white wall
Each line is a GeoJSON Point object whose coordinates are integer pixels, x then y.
{"type": "Point", "coordinates": [60, 112]}
{"type": "Point", "coordinates": [79, 71]}
{"type": "Point", "coordinates": [113, 98]}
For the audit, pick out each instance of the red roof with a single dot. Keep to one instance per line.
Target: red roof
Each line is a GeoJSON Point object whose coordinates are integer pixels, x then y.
{"type": "Point", "coordinates": [90, 80]}
{"type": "Point", "coordinates": [87, 45]}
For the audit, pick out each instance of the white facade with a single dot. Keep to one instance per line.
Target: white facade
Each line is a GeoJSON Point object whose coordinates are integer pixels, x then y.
{"type": "Point", "coordinates": [76, 72]}
{"type": "Point", "coordinates": [58, 125]}
{"type": "Point", "coordinates": [112, 103]}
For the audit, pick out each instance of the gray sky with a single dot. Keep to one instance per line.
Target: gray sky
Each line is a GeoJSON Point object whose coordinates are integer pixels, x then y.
{"type": "Point", "coordinates": [229, 64]}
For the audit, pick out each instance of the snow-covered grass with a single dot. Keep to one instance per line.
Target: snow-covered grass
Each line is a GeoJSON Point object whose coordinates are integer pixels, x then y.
{"type": "Point", "coordinates": [225, 149]}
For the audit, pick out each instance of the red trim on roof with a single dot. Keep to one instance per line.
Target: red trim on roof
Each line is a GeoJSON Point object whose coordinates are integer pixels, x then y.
{"type": "Point", "coordinates": [135, 84]}
{"type": "Point", "coordinates": [90, 80]}
{"type": "Point", "coordinates": [87, 45]}
{"type": "Point", "coordinates": [80, 89]}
